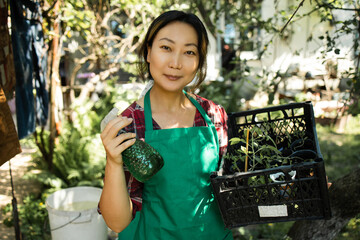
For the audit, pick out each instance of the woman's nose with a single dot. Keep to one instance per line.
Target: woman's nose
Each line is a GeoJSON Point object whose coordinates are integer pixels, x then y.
{"type": "Point", "coordinates": [175, 61]}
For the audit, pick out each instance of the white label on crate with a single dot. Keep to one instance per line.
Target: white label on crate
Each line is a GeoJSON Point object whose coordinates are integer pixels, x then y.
{"type": "Point", "coordinates": [273, 211]}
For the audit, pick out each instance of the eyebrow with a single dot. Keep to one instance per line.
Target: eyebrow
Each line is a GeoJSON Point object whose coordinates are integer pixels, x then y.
{"type": "Point", "coordinates": [172, 41]}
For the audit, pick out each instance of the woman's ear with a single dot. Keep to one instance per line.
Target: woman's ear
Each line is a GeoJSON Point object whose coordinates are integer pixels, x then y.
{"type": "Point", "coordinates": [148, 54]}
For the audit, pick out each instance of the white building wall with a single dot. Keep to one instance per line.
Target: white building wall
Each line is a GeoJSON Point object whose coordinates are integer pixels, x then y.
{"type": "Point", "coordinates": [280, 55]}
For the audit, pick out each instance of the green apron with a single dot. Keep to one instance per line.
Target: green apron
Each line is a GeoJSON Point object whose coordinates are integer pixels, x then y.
{"type": "Point", "coordinates": [178, 202]}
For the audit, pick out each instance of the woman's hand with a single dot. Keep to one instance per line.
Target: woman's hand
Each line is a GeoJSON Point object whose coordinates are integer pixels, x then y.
{"type": "Point", "coordinates": [114, 145]}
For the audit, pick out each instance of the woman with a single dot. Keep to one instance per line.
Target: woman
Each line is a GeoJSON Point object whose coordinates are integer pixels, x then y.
{"type": "Point", "coordinates": [189, 132]}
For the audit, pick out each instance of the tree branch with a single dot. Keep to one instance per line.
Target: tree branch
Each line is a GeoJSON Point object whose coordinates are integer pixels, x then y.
{"type": "Point", "coordinates": [205, 16]}
{"type": "Point", "coordinates": [45, 12]}
{"type": "Point", "coordinates": [298, 7]}
{"type": "Point", "coordinates": [329, 5]}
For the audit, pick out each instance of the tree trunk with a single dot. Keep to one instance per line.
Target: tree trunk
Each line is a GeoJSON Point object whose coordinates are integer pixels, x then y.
{"type": "Point", "coordinates": [345, 204]}
{"type": "Point", "coordinates": [54, 81]}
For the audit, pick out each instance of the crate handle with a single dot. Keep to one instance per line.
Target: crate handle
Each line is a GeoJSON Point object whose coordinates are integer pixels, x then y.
{"type": "Point", "coordinates": [285, 115]}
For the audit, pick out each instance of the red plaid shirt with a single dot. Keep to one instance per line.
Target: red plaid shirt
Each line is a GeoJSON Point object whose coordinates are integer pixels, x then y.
{"type": "Point", "coordinates": [217, 115]}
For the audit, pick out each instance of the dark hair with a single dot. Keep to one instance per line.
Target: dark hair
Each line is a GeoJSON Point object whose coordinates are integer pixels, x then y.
{"type": "Point", "coordinates": [160, 22]}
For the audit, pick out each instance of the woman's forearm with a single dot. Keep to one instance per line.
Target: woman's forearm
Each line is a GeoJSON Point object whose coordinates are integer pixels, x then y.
{"type": "Point", "coordinates": [115, 203]}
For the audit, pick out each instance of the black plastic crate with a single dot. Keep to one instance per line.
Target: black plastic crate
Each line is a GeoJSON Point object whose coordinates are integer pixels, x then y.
{"type": "Point", "coordinates": [256, 197]}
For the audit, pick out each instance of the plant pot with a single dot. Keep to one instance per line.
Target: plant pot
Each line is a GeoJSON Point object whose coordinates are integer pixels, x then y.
{"type": "Point", "coordinates": [302, 144]}
{"type": "Point", "coordinates": [303, 155]}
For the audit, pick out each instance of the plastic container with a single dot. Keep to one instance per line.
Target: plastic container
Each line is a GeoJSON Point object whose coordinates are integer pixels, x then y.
{"type": "Point", "coordinates": [73, 214]}
{"type": "Point", "coordinates": [284, 193]}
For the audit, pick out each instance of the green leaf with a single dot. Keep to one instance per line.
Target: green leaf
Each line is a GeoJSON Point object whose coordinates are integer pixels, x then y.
{"type": "Point", "coordinates": [234, 140]}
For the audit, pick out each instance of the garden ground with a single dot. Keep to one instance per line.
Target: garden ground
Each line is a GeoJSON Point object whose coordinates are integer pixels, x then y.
{"type": "Point", "coordinates": [22, 187]}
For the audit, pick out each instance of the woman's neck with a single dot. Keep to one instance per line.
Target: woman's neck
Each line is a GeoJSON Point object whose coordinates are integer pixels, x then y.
{"type": "Point", "coordinates": [165, 101]}
{"type": "Point", "coordinates": [171, 109]}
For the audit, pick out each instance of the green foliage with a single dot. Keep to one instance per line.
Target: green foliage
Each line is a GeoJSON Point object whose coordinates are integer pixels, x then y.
{"type": "Point", "coordinates": [117, 95]}
{"type": "Point", "coordinates": [77, 17]}
{"type": "Point", "coordinates": [225, 93]}
{"type": "Point", "coordinates": [270, 231]}
{"type": "Point", "coordinates": [105, 35]}
{"type": "Point", "coordinates": [33, 217]}
{"type": "Point", "coordinates": [87, 116]}
{"type": "Point", "coordinates": [255, 151]}
{"type": "Point", "coordinates": [6, 212]}
{"type": "Point", "coordinates": [259, 145]}
{"type": "Point", "coordinates": [354, 100]}
{"type": "Point", "coordinates": [77, 161]}
{"type": "Point", "coordinates": [79, 157]}
{"type": "Point", "coordinates": [73, 164]}
{"type": "Point", "coordinates": [350, 231]}
{"type": "Point", "coordinates": [341, 151]}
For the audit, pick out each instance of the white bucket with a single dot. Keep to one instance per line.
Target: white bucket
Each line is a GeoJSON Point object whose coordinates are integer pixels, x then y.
{"type": "Point", "coordinates": [73, 214]}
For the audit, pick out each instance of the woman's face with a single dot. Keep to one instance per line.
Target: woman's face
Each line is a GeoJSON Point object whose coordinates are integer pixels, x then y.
{"type": "Point", "coordinates": [173, 56]}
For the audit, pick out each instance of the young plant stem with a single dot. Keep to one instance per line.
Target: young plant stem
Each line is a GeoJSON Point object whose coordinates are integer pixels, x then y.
{"type": "Point", "coordinates": [247, 148]}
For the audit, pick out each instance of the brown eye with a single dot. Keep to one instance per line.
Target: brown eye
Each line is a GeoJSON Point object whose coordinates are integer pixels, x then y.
{"type": "Point", "coordinates": [190, 53]}
{"type": "Point", "coordinates": [165, 48]}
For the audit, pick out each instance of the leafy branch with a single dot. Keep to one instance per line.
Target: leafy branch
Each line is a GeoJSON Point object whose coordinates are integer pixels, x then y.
{"type": "Point", "coordinates": [300, 5]}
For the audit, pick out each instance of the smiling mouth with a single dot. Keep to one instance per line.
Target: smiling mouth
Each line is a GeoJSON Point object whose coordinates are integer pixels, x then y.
{"type": "Point", "coordinates": [172, 77]}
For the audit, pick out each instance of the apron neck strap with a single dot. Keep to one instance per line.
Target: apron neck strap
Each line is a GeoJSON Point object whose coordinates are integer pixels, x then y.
{"type": "Point", "coordinates": [199, 107]}
{"type": "Point", "coordinates": [147, 112]}
{"type": "Point", "coordinates": [148, 115]}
